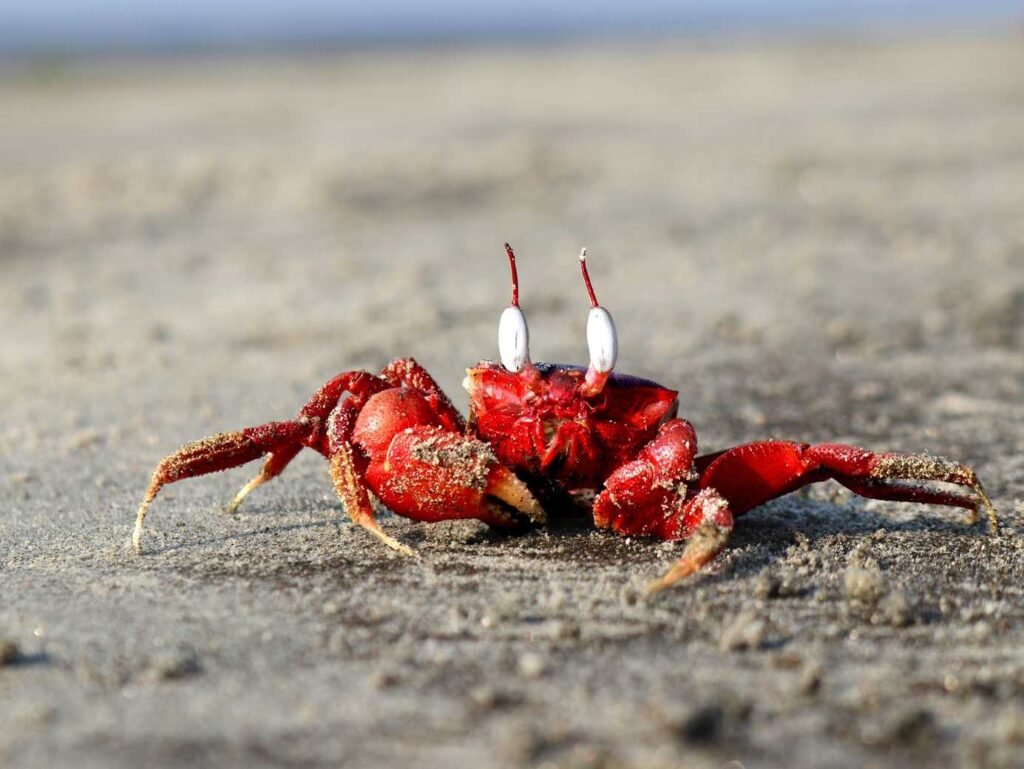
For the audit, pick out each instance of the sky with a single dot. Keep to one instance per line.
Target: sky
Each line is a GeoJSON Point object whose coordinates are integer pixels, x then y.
{"type": "Point", "coordinates": [97, 25]}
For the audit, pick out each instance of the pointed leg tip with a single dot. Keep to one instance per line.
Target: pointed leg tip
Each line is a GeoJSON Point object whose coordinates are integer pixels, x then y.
{"type": "Point", "coordinates": [387, 539]}
{"type": "Point", "coordinates": [673, 576]}
{"type": "Point", "coordinates": [984, 505]}
{"type": "Point", "coordinates": [232, 507]}
{"type": "Point", "coordinates": [993, 522]}
{"type": "Point", "coordinates": [136, 540]}
{"type": "Point", "coordinates": [654, 587]}
{"type": "Point", "coordinates": [404, 549]}
{"type": "Point", "coordinates": [990, 511]}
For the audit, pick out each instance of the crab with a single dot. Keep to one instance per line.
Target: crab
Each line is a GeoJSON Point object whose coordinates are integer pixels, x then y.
{"type": "Point", "coordinates": [542, 439]}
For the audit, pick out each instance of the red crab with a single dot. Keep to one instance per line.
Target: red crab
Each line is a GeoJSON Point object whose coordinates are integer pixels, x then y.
{"type": "Point", "coordinates": [542, 432]}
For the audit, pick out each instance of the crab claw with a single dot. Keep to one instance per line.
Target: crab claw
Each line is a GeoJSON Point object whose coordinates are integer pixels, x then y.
{"type": "Point", "coordinates": [506, 490]}
{"type": "Point", "coordinates": [709, 521]}
{"type": "Point", "coordinates": [430, 474]}
{"type": "Point", "coordinates": [648, 495]}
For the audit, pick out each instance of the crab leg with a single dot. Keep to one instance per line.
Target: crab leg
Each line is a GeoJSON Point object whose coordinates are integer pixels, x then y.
{"type": "Point", "coordinates": [352, 492]}
{"type": "Point", "coordinates": [359, 383]}
{"type": "Point", "coordinates": [754, 473]}
{"type": "Point", "coordinates": [407, 372]}
{"type": "Point", "coordinates": [220, 452]}
{"type": "Point", "coordinates": [739, 479]}
{"type": "Point", "coordinates": [276, 462]}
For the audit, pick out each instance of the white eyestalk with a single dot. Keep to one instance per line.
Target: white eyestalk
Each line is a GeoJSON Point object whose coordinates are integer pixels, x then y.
{"type": "Point", "coordinates": [602, 340]}
{"type": "Point", "coordinates": [513, 333]}
{"type": "Point", "coordinates": [513, 339]}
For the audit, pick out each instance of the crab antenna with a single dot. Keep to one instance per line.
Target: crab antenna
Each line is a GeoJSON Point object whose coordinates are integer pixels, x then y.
{"type": "Point", "coordinates": [586, 277]}
{"type": "Point", "coordinates": [515, 275]}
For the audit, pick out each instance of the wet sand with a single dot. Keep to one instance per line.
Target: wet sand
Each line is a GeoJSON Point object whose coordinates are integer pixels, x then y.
{"type": "Point", "coordinates": [810, 240]}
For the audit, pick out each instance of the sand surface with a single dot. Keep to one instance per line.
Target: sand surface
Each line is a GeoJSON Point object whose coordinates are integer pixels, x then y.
{"type": "Point", "coordinates": [818, 241]}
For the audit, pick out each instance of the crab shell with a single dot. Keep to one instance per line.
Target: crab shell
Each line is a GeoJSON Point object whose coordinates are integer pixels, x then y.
{"type": "Point", "coordinates": [540, 423]}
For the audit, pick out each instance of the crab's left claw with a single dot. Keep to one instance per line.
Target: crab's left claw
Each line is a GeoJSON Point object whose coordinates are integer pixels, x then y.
{"type": "Point", "coordinates": [430, 474]}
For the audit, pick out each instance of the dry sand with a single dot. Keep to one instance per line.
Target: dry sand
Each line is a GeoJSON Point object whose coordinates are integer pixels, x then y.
{"type": "Point", "coordinates": [810, 240]}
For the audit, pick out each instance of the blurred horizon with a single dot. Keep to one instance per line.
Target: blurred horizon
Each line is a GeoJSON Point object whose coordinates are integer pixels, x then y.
{"type": "Point", "coordinates": [120, 26]}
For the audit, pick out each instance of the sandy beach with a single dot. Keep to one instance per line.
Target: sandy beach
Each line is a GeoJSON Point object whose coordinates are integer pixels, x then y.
{"type": "Point", "coordinates": [810, 239]}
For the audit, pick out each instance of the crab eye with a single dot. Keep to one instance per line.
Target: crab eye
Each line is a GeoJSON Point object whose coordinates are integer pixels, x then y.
{"type": "Point", "coordinates": [513, 333]}
{"type": "Point", "coordinates": [513, 339]}
{"type": "Point", "coordinates": [601, 337]}
{"type": "Point", "coordinates": [602, 340]}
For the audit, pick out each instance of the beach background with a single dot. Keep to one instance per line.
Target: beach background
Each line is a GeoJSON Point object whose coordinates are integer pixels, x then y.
{"type": "Point", "coordinates": [810, 224]}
